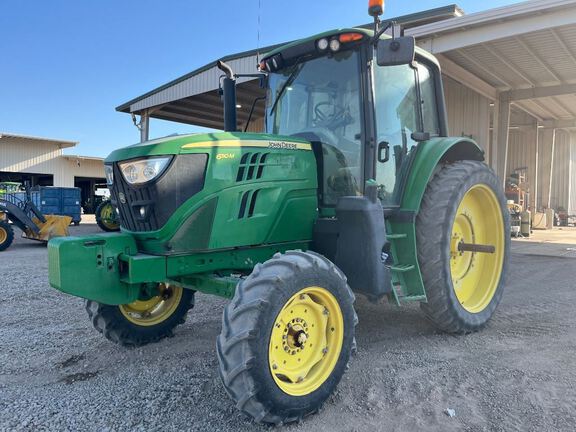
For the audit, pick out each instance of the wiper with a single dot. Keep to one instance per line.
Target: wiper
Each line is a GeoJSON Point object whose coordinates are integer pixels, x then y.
{"type": "Point", "coordinates": [286, 84]}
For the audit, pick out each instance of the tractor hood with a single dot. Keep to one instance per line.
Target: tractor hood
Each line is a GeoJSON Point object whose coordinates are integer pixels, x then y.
{"type": "Point", "coordinates": [191, 143]}
{"type": "Point", "coordinates": [230, 180]}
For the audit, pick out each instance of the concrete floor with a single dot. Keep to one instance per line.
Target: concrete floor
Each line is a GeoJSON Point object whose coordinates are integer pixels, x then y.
{"type": "Point", "coordinates": [559, 242]}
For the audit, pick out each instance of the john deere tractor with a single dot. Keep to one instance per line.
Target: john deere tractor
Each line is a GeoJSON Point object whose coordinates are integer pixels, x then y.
{"type": "Point", "coordinates": [354, 187]}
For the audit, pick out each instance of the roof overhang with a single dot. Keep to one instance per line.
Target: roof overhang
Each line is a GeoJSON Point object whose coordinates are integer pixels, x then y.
{"type": "Point", "coordinates": [34, 139]}
{"type": "Point", "coordinates": [90, 158]}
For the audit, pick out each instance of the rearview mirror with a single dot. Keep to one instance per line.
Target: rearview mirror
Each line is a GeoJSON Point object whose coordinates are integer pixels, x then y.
{"type": "Point", "coordinates": [397, 51]}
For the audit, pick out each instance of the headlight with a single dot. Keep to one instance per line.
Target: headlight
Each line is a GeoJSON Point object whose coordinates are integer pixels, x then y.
{"type": "Point", "coordinates": [109, 172]}
{"type": "Point", "coordinates": [144, 170]}
{"type": "Point", "coordinates": [322, 44]}
{"type": "Point", "coordinates": [334, 44]}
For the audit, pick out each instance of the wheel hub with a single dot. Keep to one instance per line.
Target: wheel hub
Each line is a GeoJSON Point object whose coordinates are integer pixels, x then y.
{"type": "Point", "coordinates": [296, 336]}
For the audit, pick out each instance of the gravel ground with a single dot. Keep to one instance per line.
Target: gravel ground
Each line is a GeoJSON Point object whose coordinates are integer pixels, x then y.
{"type": "Point", "coordinates": [519, 374]}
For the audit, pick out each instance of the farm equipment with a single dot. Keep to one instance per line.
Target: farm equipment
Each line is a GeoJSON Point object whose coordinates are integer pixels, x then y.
{"type": "Point", "coordinates": [18, 209]}
{"type": "Point", "coordinates": [355, 186]}
{"type": "Point", "coordinates": [9, 187]}
{"type": "Point", "coordinates": [106, 217]}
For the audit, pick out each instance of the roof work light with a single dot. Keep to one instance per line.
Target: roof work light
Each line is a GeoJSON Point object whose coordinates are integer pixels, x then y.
{"type": "Point", "coordinates": [375, 7]}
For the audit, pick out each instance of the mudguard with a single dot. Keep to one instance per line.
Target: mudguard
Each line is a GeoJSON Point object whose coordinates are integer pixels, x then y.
{"type": "Point", "coordinates": [401, 225]}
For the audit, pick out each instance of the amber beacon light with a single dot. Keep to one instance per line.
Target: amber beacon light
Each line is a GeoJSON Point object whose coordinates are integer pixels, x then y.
{"type": "Point", "coordinates": [375, 7]}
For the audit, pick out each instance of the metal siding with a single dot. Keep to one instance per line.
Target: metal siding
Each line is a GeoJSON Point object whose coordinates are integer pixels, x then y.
{"type": "Point", "coordinates": [22, 155]}
{"type": "Point", "coordinates": [72, 167]}
{"type": "Point", "coordinates": [468, 113]}
{"type": "Point", "coordinates": [29, 156]}
{"type": "Point", "coordinates": [546, 162]}
{"type": "Point", "coordinates": [561, 171]}
{"type": "Point", "coordinates": [522, 152]}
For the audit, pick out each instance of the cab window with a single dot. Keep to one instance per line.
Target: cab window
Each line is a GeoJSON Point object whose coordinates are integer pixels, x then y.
{"type": "Point", "coordinates": [397, 113]}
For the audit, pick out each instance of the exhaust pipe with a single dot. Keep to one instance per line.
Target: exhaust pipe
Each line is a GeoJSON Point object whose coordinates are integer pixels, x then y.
{"type": "Point", "coordinates": [228, 92]}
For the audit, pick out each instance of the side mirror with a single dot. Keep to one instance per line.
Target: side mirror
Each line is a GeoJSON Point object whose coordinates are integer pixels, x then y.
{"type": "Point", "coordinates": [397, 51]}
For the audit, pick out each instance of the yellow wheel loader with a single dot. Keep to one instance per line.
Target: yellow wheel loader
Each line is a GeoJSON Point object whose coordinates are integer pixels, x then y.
{"type": "Point", "coordinates": [25, 215]}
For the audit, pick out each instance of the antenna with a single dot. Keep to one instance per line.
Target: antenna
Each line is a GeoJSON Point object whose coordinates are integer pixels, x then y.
{"type": "Point", "coordinates": [258, 33]}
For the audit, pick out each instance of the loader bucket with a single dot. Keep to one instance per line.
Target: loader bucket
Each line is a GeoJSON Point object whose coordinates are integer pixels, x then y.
{"type": "Point", "coordinates": [55, 226]}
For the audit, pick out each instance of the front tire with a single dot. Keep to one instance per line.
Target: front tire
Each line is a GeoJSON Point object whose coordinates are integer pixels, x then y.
{"type": "Point", "coordinates": [105, 217]}
{"type": "Point", "coordinates": [142, 322]}
{"type": "Point", "coordinates": [287, 337]}
{"type": "Point", "coordinates": [6, 235]}
{"type": "Point", "coordinates": [464, 204]}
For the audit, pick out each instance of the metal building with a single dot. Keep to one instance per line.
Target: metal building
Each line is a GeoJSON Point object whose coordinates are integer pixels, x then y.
{"type": "Point", "coordinates": [510, 83]}
{"type": "Point", "coordinates": [42, 162]}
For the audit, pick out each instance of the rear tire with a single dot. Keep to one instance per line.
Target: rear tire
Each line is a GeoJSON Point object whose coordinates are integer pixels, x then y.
{"type": "Point", "coordinates": [286, 338]}
{"type": "Point", "coordinates": [105, 217]}
{"type": "Point", "coordinates": [121, 325]}
{"type": "Point", "coordinates": [6, 235]}
{"type": "Point", "coordinates": [464, 203]}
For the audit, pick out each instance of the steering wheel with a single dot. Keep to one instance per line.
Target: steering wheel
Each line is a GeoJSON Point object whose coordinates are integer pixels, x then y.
{"type": "Point", "coordinates": [327, 118]}
{"type": "Point", "coordinates": [348, 153]}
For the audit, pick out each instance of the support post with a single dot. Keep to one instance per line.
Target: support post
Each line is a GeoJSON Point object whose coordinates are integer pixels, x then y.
{"type": "Point", "coordinates": [144, 125]}
{"type": "Point", "coordinates": [546, 164]}
{"type": "Point", "coordinates": [533, 162]}
{"type": "Point", "coordinates": [499, 151]}
{"type": "Point", "coordinates": [572, 176]}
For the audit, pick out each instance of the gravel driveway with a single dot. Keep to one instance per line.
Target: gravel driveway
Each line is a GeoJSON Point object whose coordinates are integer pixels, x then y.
{"type": "Point", "coordinates": [519, 374]}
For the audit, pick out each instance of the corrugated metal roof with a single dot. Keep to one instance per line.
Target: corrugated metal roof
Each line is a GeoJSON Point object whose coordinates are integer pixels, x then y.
{"type": "Point", "coordinates": [501, 47]}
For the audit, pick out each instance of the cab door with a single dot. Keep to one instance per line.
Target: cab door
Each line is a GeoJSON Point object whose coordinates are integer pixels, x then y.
{"type": "Point", "coordinates": [401, 108]}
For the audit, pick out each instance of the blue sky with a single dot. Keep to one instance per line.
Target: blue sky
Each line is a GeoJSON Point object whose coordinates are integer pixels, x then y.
{"type": "Point", "coordinates": [66, 64]}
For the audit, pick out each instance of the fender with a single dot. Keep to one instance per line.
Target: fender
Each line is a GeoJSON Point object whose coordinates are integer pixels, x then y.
{"type": "Point", "coordinates": [401, 225]}
{"type": "Point", "coordinates": [429, 154]}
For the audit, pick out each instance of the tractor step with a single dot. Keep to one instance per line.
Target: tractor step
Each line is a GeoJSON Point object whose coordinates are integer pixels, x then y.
{"type": "Point", "coordinates": [399, 296]}
{"type": "Point", "coordinates": [395, 236]}
{"type": "Point", "coordinates": [402, 268]}
{"type": "Point", "coordinates": [413, 298]}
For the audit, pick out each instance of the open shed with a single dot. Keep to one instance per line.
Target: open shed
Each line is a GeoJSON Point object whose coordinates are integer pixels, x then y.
{"type": "Point", "coordinates": [510, 84]}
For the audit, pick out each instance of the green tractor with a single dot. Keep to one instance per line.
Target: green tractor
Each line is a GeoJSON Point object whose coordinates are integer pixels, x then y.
{"type": "Point", "coordinates": [354, 187]}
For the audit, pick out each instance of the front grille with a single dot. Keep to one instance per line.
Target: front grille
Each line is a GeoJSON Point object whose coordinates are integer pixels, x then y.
{"type": "Point", "coordinates": [183, 178]}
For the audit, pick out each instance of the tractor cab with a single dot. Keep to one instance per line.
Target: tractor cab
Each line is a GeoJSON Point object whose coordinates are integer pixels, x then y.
{"type": "Point", "coordinates": [363, 110]}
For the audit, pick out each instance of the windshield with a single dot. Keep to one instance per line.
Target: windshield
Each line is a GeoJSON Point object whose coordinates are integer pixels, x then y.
{"type": "Point", "coordinates": [320, 100]}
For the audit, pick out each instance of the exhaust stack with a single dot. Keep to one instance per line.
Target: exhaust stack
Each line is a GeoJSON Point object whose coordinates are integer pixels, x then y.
{"type": "Point", "coordinates": [228, 93]}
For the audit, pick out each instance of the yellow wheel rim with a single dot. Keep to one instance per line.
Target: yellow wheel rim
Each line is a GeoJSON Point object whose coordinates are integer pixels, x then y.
{"type": "Point", "coordinates": [476, 275]}
{"type": "Point", "coordinates": [155, 310]}
{"type": "Point", "coordinates": [3, 235]}
{"type": "Point", "coordinates": [306, 341]}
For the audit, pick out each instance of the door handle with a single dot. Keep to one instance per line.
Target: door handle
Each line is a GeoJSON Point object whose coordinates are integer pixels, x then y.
{"type": "Point", "coordinates": [383, 151]}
